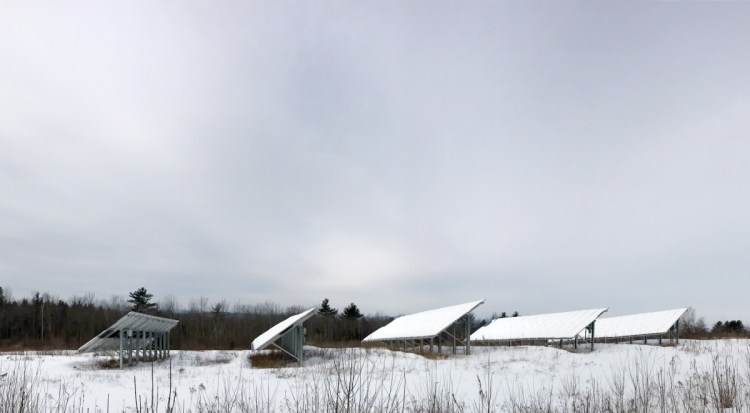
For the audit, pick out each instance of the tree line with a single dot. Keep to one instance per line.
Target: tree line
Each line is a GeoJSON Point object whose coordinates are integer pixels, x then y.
{"type": "Point", "coordinates": [43, 321]}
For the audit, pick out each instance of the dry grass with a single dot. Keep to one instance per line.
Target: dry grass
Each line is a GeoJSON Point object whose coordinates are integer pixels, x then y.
{"type": "Point", "coordinates": [268, 360]}
{"type": "Point", "coordinates": [213, 359]}
{"type": "Point", "coordinates": [110, 363]}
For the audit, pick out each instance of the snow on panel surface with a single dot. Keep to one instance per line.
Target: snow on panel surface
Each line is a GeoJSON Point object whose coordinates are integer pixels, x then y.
{"type": "Point", "coordinates": [109, 339]}
{"type": "Point", "coordinates": [542, 326]}
{"type": "Point", "coordinates": [273, 334]}
{"type": "Point", "coordinates": [658, 322]}
{"type": "Point", "coordinates": [426, 324]}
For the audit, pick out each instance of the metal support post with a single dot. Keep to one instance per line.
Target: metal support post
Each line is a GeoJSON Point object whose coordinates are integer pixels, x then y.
{"type": "Point", "coordinates": [593, 336]}
{"type": "Point", "coordinates": [467, 338]}
{"type": "Point", "coordinates": [121, 348]}
{"type": "Point", "coordinates": [130, 347]}
{"type": "Point", "coordinates": [454, 338]}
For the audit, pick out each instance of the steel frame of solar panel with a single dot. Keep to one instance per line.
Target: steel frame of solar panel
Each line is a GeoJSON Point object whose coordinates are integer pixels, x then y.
{"type": "Point", "coordinates": [588, 337]}
{"type": "Point", "coordinates": [454, 339]}
{"type": "Point", "coordinates": [290, 339]}
{"type": "Point", "coordinates": [141, 337]}
{"type": "Point", "coordinates": [672, 334]}
{"type": "Point", "coordinates": [586, 340]}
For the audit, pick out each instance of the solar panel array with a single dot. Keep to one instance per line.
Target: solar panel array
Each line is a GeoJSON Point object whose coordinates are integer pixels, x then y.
{"type": "Point", "coordinates": [109, 339]}
{"type": "Point", "coordinates": [658, 322]}
{"type": "Point", "coordinates": [543, 326]}
{"type": "Point", "coordinates": [275, 332]}
{"type": "Point", "coordinates": [426, 324]}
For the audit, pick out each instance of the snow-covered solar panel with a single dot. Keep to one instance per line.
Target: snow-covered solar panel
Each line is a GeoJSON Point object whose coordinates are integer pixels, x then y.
{"type": "Point", "coordinates": [109, 339]}
{"type": "Point", "coordinates": [657, 322]}
{"type": "Point", "coordinates": [426, 324]}
{"type": "Point", "coordinates": [542, 326]}
{"type": "Point", "coordinates": [275, 332]}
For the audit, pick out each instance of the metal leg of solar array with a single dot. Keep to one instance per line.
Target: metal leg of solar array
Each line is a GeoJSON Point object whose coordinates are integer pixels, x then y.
{"type": "Point", "coordinates": [120, 334]}
{"type": "Point", "coordinates": [292, 342]}
{"type": "Point", "coordinates": [467, 336]}
{"type": "Point", "coordinates": [130, 347]}
{"type": "Point", "coordinates": [454, 338]}
{"type": "Point", "coordinates": [593, 336]}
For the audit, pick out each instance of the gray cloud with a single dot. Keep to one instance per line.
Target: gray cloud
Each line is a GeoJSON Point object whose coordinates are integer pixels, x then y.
{"type": "Point", "coordinates": [542, 156]}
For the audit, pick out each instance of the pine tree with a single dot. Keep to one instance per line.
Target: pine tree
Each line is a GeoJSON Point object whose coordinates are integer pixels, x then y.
{"type": "Point", "coordinates": [326, 310]}
{"type": "Point", "coordinates": [141, 300]}
{"type": "Point", "coordinates": [352, 312]}
{"type": "Point", "coordinates": [515, 314]}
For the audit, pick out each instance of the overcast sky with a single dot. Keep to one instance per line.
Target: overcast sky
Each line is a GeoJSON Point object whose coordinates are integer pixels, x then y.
{"type": "Point", "coordinates": [399, 155]}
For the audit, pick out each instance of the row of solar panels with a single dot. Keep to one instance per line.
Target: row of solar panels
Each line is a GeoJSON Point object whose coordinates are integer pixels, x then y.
{"type": "Point", "coordinates": [565, 325]}
{"type": "Point", "coordinates": [428, 324]}
{"type": "Point", "coordinates": [573, 323]}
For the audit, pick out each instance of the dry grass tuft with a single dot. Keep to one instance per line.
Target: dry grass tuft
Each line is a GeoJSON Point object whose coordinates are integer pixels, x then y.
{"type": "Point", "coordinates": [269, 360]}
{"type": "Point", "coordinates": [213, 359]}
{"type": "Point", "coordinates": [110, 363]}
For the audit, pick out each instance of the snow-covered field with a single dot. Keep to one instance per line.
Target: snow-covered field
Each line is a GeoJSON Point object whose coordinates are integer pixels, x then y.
{"type": "Point", "coordinates": [694, 376]}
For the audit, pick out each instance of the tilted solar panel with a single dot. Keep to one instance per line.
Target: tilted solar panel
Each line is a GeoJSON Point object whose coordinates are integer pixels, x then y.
{"type": "Point", "coordinates": [275, 332]}
{"type": "Point", "coordinates": [109, 339]}
{"type": "Point", "coordinates": [425, 324]}
{"type": "Point", "coordinates": [541, 326]}
{"type": "Point", "coordinates": [657, 322]}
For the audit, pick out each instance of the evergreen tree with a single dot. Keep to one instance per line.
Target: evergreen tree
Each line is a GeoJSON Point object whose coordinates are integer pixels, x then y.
{"type": "Point", "coordinates": [326, 310]}
{"type": "Point", "coordinates": [503, 315]}
{"type": "Point", "coordinates": [219, 310]}
{"type": "Point", "coordinates": [352, 312]}
{"type": "Point", "coordinates": [515, 314]}
{"type": "Point", "coordinates": [141, 301]}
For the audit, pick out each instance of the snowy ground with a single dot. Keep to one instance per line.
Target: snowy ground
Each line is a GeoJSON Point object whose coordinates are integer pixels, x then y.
{"type": "Point", "coordinates": [698, 375]}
